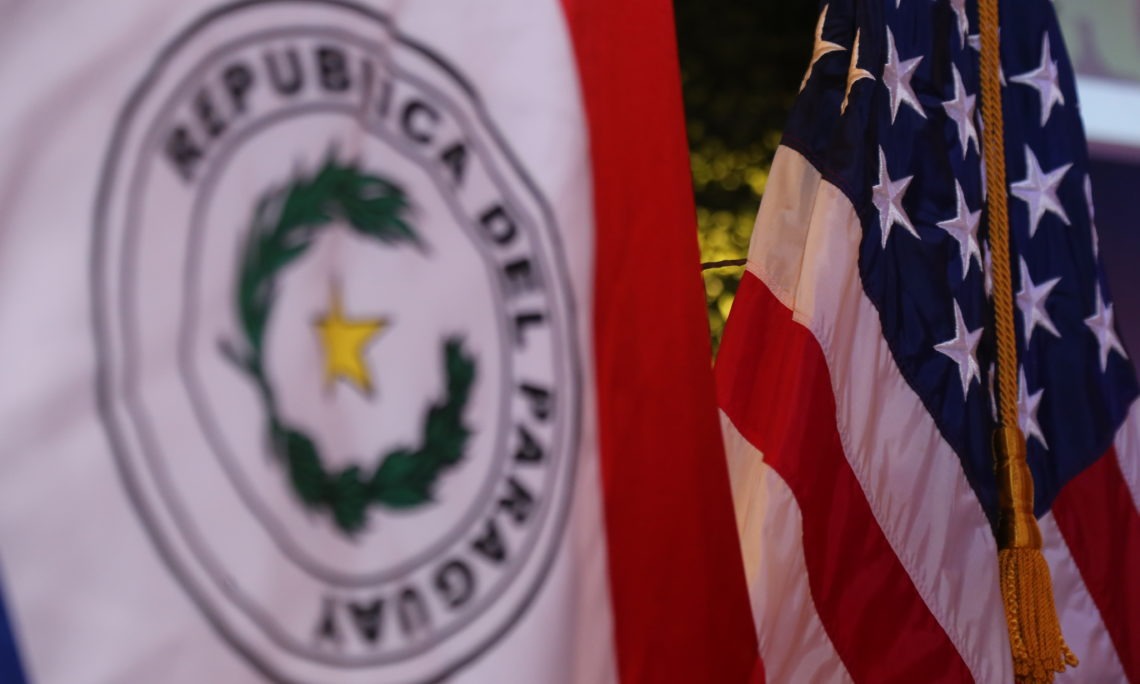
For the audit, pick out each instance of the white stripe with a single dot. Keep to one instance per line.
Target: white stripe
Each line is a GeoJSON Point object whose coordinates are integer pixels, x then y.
{"type": "Point", "coordinates": [912, 478]}
{"type": "Point", "coordinates": [793, 643]}
{"type": "Point", "coordinates": [1081, 622]}
{"type": "Point", "coordinates": [1128, 452]}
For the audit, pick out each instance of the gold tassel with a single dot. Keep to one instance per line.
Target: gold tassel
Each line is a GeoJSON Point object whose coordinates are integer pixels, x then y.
{"type": "Point", "coordinates": [1039, 648]}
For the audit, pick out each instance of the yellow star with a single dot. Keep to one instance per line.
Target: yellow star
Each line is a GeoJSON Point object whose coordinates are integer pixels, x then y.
{"type": "Point", "coordinates": [343, 341]}
{"type": "Point", "coordinates": [855, 73]}
{"type": "Point", "coordinates": [822, 47]}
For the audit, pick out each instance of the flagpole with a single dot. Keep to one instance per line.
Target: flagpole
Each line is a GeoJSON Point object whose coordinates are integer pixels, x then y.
{"type": "Point", "coordinates": [1038, 647]}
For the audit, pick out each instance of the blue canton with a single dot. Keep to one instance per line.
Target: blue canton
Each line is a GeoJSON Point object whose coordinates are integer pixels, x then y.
{"type": "Point", "coordinates": [890, 113]}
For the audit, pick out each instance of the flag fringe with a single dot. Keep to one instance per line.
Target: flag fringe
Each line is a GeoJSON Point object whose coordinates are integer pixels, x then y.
{"type": "Point", "coordinates": [1039, 648]}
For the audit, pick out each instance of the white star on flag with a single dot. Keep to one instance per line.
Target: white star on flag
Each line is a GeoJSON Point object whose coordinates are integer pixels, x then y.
{"type": "Point", "coordinates": [990, 380]}
{"type": "Point", "coordinates": [960, 109]}
{"type": "Point", "coordinates": [896, 76]}
{"type": "Point", "coordinates": [1039, 190]}
{"type": "Point", "coordinates": [855, 73]}
{"type": "Point", "coordinates": [822, 47]}
{"type": "Point", "coordinates": [964, 228]}
{"type": "Point", "coordinates": [1027, 405]}
{"type": "Point", "coordinates": [988, 270]}
{"type": "Point", "coordinates": [887, 197]}
{"type": "Point", "coordinates": [1092, 216]}
{"type": "Point", "coordinates": [959, 7]}
{"type": "Point", "coordinates": [1044, 80]}
{"type": "Point", "coordinates": [975, 41]}
{"type": "Point", "coordinates": [1031, 301]}
{"type": "Point", "coordinates": [1101, 324]}
{"type": "Point", "coordinates": [962, 350]}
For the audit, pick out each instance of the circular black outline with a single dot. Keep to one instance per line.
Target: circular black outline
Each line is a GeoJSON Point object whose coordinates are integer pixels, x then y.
{"type": "Point", "coordinates": [106, 402]}
{"type": "Point", "coordinates": [193, 79]}
{"type": "Point", "coordinates": [189, 531]}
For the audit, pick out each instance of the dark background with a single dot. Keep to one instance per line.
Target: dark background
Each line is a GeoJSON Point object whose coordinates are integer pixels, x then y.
{"type": "Point", "coordinates": [741, 65]}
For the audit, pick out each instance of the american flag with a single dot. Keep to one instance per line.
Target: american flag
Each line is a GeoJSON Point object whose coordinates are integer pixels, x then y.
{"type": "Point", "coordinates": [856, 374]}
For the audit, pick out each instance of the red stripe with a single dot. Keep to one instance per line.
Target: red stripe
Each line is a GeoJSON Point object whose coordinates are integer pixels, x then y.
{"type": "Point", "coordinates": [1100, 525]}
{"type": "Point", "coordinates": [774, 385]}
{"type": "Point", "coordinates": [758, 673]}
{"type": "Point", "coordinates": [681, 607]}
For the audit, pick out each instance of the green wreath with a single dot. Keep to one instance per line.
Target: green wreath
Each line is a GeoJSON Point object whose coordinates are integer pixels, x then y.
{"type": "Point", "coordinates": [285, 224]}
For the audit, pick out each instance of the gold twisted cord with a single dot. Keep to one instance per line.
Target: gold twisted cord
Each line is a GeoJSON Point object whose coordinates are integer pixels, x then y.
{"type": "Point", "coordinates": [1037, 645]}
{"type": "Point", "coordinates": [993, 149]}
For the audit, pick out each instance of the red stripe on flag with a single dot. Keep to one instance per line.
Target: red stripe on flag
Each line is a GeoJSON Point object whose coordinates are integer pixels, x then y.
{"type": "Point", "coordinates": [774, 385]}
{"type": "Point", "coordinates": [681, 607]}
{"type": "Point", "coordinates": [757, 673]}
{"type": "Point", "coordinates": [1101, 527]}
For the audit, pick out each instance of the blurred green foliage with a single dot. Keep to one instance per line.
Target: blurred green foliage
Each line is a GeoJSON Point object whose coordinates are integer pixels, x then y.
{"type": "Point", "coordinates": [741, 65]}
